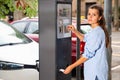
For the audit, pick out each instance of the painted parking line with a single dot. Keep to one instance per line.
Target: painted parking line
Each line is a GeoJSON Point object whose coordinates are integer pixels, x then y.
{"type": "Point", "coordinates": [115, 42]}
{"type": "Point", "coordinates": [116, 54]}
{"type": "Point", "coordinates": [116, 67]}
{"type": "Point", "coordinates": [116, 46]}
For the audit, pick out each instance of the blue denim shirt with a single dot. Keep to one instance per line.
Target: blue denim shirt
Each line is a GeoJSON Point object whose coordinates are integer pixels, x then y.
{"type": "Point", "coordinates": [95, 51]}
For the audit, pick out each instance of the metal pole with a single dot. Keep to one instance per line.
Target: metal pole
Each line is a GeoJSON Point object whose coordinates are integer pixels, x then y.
{"type": "Point", "coordinates": [108, 19]}
{"type": "Point", "coordinates": [47, 44]}
{"type": "Point", "coordinates": [78, 73]}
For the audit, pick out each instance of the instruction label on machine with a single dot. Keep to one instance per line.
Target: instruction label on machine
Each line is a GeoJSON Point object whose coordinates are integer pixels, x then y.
{"type": "Point", "coordinates": [63, 20]}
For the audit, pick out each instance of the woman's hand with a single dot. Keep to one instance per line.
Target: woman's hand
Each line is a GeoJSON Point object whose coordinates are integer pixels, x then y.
{"type": "Point", "coordinates": [68, 69]}
{"type": "Point", "coordinates": [71, 28]}
{"type": "Point", "coordinates": [77, 33]}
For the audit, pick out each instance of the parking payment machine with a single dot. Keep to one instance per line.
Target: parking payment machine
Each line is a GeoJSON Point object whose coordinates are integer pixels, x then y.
{"type": "Point", "coordinates": [55, 39]}
{"type": "Point", "coordinates": [63, 54]}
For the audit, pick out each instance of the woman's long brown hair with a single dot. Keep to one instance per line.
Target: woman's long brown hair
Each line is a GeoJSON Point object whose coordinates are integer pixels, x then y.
{"type": "Point", "coordinates": [101, 22]}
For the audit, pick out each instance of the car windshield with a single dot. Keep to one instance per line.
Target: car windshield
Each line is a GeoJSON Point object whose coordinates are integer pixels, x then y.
{"type": "Point", "coordinates": [10, 36]}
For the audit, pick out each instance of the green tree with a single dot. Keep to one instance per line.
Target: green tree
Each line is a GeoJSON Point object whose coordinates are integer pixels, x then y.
{"type": "Point", "coordinates": [5, 7]}
{"type": "Point", "coordinates": [29, 7]}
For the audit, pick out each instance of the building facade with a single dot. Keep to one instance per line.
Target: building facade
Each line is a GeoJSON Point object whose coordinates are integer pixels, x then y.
{"type": "Point", "coordinates": [84, 6]}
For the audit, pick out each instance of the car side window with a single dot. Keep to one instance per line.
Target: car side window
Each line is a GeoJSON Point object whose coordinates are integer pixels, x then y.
{"type": "Point", "coordinates": [33, 27]}
{"type": "Point", "coordinates": [20, 26]}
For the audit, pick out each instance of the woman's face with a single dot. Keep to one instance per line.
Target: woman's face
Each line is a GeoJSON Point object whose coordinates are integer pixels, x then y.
{"type": "Point", "coordinates": [93, 17]}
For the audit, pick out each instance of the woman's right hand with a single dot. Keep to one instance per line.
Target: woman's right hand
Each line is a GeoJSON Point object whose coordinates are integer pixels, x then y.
{"type": "Point", "coordinates": [71, 28]}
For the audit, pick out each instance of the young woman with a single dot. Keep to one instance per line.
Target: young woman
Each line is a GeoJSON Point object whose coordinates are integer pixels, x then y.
{"type": "Point", "coordinates": [96, 42]}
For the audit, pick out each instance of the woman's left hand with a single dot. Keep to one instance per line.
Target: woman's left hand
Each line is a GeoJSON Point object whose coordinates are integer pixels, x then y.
{"type": "Point", "coordinates": [68, 70]}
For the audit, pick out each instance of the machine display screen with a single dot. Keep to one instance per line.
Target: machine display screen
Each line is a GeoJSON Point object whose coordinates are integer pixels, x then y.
{"type": "Point", "coordinates": [63, 19]}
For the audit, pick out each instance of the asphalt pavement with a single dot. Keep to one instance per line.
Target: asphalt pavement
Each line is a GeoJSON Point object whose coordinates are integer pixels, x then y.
{"type": "Point", "coordinates": [115, 55]}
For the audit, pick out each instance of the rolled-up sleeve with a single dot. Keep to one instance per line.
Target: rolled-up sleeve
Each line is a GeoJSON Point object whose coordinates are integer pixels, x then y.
{"type": "Point", "coordinates": [92, 44]}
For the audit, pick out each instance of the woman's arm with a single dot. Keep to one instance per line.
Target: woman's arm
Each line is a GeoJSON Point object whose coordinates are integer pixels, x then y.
{"type": "Point", "coordinates": [77, 33]}
{"type": "Point", "coordinates": [77, 63]}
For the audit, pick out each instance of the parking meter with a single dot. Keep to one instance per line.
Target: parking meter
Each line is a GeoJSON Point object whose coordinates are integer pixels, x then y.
{"type": "Point", "coordinates": [63, 38]}
{"type": "Point", "coordinates": [55, 39]}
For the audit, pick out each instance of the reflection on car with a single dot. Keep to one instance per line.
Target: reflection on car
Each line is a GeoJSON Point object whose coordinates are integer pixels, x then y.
{"type": "Point", "coordinates": [19, 55]}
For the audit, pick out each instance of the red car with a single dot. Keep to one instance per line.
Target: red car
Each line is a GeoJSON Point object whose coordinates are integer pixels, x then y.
{"type": "Point", "coordinates": [28, 26]}
{"type": "Point", "coordinates": [35, 37]}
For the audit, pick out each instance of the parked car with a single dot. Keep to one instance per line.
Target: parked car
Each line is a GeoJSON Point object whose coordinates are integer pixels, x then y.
{"type": "Point", "coordinates": [19, 55]}
{"type": "Point", "coordinates": [28, 26]}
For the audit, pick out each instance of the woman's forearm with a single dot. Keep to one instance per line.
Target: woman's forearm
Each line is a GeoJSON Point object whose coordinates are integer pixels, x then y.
{"type": "Point", "coordinates": [75, 64]}
{"type": "Point", "coordinates": [79, 61]}
{"type": "Point", "coordinates": [79, 35]}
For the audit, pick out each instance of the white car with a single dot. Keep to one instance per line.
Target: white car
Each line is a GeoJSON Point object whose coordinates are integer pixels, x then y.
{"type": "Point", "coordinates": [19, 55]}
